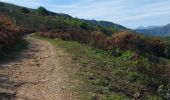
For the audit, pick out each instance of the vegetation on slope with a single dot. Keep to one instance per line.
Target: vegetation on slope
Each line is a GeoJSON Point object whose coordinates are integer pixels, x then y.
{"type": "Point", "coordinates": [125, 64]}
{"type": "Point", "coordinates": [120, 41]}
{"type": "Point", "coordinates": [41, 19]}
{"type": "Point", "coordinates": [9, 36]}
{"type": "Point", "coordinates": [107, 77]}
{"type": "Point", "coordinates": [167, 49]}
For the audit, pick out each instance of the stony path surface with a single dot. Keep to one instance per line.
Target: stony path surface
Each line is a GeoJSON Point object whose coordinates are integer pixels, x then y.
{"type": "Point", "coordinates": [35, 74]}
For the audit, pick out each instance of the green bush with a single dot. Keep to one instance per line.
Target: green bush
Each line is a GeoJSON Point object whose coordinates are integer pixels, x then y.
{"type": "Point", "coordinates": [167, 50]}
{"type": "Point", "coordinates": [25, 10]}
{"type": "Point", "coordinates": [164, 91]}
{"type": "Point", "coordinates": [2, 4]}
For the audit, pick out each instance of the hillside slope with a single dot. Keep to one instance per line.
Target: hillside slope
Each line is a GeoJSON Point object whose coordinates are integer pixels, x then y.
{"type": "Point", "coordinates": [43, 20]}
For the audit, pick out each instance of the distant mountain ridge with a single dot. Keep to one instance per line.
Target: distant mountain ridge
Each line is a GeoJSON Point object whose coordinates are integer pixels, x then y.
{"type": "Point", "coordinates": [107, 24]}
{"type": "Point", "coordinates": [161, 31]}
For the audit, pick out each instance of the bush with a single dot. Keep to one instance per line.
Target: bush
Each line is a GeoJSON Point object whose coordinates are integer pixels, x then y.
{"type": "Point", "coordinates": [141, 44]}
{"type": "Point", "coordinates": [121, 41]}
{"type": "Point", "coordinates": [8, 33]}
{"type": "Point", "coordinates": [25, 10]}
{"type": "Point", "coordinates": [97, 39]}
{"type": "Point", "coordinates": [167, 50]}
{"type": "Point", "coordinates": [2, 4]}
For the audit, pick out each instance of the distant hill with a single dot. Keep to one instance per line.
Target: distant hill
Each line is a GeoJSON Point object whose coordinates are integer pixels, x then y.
{"type": "Point", "coordinates": [107, 24]}
{"type": "Point", "coordinates": [161, 31]}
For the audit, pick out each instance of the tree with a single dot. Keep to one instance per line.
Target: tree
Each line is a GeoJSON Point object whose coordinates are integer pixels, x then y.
{"type": "Point", "coordinates": [167, 50]}
{"type": "Point", "coordinates": [42, 11]}
{"type": "Point", "coordinates": [25, 10]}
{"type": "Point", "coordinates": [2, 4]}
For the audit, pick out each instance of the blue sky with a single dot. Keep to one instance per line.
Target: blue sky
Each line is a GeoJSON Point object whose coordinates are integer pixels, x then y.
{"type": "Point", "coordinates": [130, 13]}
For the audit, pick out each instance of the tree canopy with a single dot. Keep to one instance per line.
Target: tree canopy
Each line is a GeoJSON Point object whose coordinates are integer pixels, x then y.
{"type": "Point", "coordinates": [25, 10]}
{"type": "Point", "coordinates": [42, 11]}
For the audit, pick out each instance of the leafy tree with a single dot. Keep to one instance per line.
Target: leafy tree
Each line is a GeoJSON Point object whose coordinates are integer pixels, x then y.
{"type": "Point", "coordinates": [42, 11]}
{"type": "Point", "coordinates": [2, 4]}
{"type": "Point", "coordinates": [167, 50]}
{"type": "Point", "coordinates": [25, 10]}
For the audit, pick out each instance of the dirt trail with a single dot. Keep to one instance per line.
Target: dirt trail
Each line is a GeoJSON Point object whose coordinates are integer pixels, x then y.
{"type": "Point", "coordinates": [35, 74]}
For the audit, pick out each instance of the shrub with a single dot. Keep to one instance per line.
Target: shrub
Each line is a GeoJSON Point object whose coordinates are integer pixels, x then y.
{"type": "Point", "coordinates": [25, 10]}
{"type": "Point", "coordinates": [98, 39]}
{"type": "Point", "coordinates": [2, 4]}
{"type": "Point", "coordinates": [156, 46]}
{"type": "Point", "coordinates": [167, 50]}
{"type": "Point", "coordinates": [125, 40]}
{"type": "Point", "coordinates": [141, 44]}
{"type": "Point", "coordinates": [8, 33]}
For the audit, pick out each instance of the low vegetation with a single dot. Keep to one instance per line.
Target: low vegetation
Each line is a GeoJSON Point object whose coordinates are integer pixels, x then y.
{"type": "Point", "coordinates": [8, 33]}
{"type": "Point", "coordinates": [9, 36]}
{"type": "Point", "coordinates": [109, 77]}
{"type": "Point", "coordinates": [118, 42]}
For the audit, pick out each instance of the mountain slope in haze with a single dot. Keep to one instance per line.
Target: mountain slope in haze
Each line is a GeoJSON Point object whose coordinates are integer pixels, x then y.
{"type": "Point", "coordinates": [161, 31]}
{"type": "Point", "coordinates": [107, 24]}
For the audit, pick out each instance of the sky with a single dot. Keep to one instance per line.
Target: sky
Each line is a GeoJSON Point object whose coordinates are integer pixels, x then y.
{"type": "Point", "coordinates": [129, 13]}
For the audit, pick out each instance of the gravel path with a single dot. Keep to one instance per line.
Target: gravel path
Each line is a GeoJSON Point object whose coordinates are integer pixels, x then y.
{"type": "Point", "coordinates": [35, 74]}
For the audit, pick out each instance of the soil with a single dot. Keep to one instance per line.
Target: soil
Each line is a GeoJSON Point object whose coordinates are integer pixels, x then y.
{"type": "Point", "coordinates": [37, 73]}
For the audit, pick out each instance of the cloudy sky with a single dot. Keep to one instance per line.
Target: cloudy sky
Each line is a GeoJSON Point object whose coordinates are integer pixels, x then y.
{"type": "Point", "coordinates": [130, 13]}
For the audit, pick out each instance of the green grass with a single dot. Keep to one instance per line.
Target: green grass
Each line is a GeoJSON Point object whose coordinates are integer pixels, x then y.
{"type": "Point", "coordinates": [108, 77]}
{"type": "Point", "coordinates": [167, 39]}
{"type": "Point", "coordinates": [13, 50]}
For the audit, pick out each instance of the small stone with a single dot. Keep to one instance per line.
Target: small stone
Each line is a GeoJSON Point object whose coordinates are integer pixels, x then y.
{"type": "Point", "coordinates": [137, 95]}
